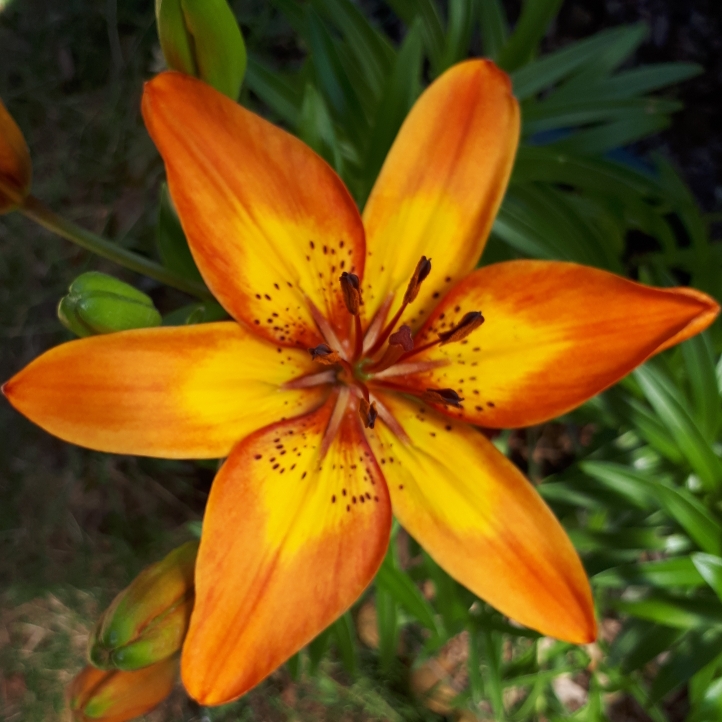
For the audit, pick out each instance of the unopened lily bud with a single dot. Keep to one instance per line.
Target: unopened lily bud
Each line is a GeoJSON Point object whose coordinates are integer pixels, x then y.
{"type": "Point", "coordinates": [95, 695]}
{"type": "Point", "coordinates": [15, 166]}
{"type": "Point", "coordinates": [98, 303]}
{"type": "Point", "coordinates": [148, 621]}
{"type": "Point", "coordinates": [202, 38]}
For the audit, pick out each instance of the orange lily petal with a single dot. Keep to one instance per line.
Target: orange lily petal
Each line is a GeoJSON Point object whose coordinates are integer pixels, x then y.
{"type": "Point", "coordinates": [15, 166]}
{"type": "Point", "coordinates": [441, 186]}
{"type": "Point", "coordinates": [186, 392]}
{"type": "Point", "coordinates": [290, 540]}
{"type": "Point", "coordinates": [271, 226]}
{"type": "Point", "coordinates": [555, 335]}
{"type": "Point", "coordinates": [482, 521]}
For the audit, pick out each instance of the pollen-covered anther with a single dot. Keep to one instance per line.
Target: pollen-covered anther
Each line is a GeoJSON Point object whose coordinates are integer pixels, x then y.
{"type": "Point", "coordinates": [470, 322]}
{"type": "Point", "coordinates": [448, 397]}
{"type": "Point", "coordinates": [423, 269]}
{"type": "Point", "coordinates": [368, 413]}
{"type": "Point", "coordinates": [351, 289]}
{"type": "Point", "coordinates": [324, 354]}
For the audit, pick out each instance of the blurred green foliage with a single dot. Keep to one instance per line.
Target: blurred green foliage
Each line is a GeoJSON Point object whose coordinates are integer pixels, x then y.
{"type": "Point", "coordinates": [641, 491]}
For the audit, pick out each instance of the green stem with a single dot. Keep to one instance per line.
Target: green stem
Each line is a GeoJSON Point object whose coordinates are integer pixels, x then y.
{"type": "Point", "coordinates": [38, 212]}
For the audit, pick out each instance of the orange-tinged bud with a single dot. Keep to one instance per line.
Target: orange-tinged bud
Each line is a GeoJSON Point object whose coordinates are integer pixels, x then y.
{"type": "Point", "coordinates": [15, 166]}
{"type": "Point", "coordinates": [147, 621]}
{"type": "Point", "coordinates": [95, 695]}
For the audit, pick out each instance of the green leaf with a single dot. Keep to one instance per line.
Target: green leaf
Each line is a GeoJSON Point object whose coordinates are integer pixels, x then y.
{"type": "Point", "coordinates": [700, 370]}
{"type": "Point", "coordinates": [690, 440]}
{"type": "Point", "coordinates": [494, 28]}
{"type": "Point", "coordinates": [334, 82]}
{"type": "Point", "coordinates": [544, 72]}
{"type": "Point", "coordinates": [678, 572]}
{"type": "Point", "coordinates": [639, 642]}
{"type": "Point", "coordinates": [710, 568]}
{"type": "Point", "coordinates": [406, 594]}
{"type": "Point", "coordinates": [401, 90]}
{"type": "Point", "coordinates": [458, 32]}
{"type": "Point", "coordinates": [551, 115]}
{"type": "Point", "coordinates": [279, 94]}
{"type": "Point", "coordinates": [388, 627]}
{"type": "Point", "coordinates": [316, 129]}
{"type": "Point", "coordinates": [671, 611]}
{"type": "Point", "coordinates": [431, 27]}
{"type": "Point", "coordinates": [617, 134]}
{"type": "Point", "coordinates": [694, 651]}
{"type": "Point", "coordinates": [317, 648]}
{"type": "Point", "coordinates": [370, 47]}
{"type": "Point", "coordinates": [530, 29]}
{"type": "Point", "coordinates": [344, 634]}
{"type": "Point", "coordinates": [634, 486]}
{"type": "Point", "coordinates": [171, 241]}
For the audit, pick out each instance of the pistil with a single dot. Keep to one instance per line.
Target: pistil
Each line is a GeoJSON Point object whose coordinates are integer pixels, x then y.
{"type": "Point", "coordinates": [421, 272]}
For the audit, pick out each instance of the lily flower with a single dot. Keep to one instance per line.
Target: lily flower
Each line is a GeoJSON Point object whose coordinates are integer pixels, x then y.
{"type": "Point", "coordinates": [363, 354]}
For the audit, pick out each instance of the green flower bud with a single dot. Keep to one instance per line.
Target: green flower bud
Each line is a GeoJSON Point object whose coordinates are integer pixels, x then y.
{"type": "Point", "coordinates": [98, 303]}
{"type": "Point", "coordinates": [113, 696]}
{"type": "Point", "coordinates": [147, 622]}
{"type": "Point", "coordinates": [202, 38]}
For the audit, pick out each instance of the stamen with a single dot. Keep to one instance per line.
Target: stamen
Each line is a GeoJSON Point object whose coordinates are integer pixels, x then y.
{"type": "Point", "coordinates": [423, 269]}
{"type": "Point", "coordinates": [448, 397]}
{"type": "Point", "coordinates": [351, 292]}
{"type": "Point", "coordinates": [324, 355]}
{"type": "Point", "coordinates": [470, 322]}
{"type": "Point", "coordinates": [336, 418]}
{"type": "Point", "coordinates": [309, 380]}
{"type": "Point", "coordinates": [368, 413]}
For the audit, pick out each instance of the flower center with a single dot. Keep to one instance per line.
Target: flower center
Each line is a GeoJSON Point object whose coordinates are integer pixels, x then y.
{"type": "Point", "coordinates": [384, 355]}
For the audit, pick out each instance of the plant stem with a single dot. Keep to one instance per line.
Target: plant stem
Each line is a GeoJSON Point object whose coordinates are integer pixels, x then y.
{"type": "Point", "coordinates": [38, 212]}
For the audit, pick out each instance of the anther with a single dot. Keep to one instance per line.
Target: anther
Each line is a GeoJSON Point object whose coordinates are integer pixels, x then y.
{"type": "Point", "coordinates": [324, 354]}
{"type": "Point", "coordinates": [470, 322]}
{"type": "Point", "coordinates": [423, 269]}
{"type": "Point", "coordinates": [403, 339]}
{"type": "Point", "coordinates": [350, 286]}
{"type": "Point", "coordinates": [368, 413]}
{"type": "Point", "coordinates": [448, 397]}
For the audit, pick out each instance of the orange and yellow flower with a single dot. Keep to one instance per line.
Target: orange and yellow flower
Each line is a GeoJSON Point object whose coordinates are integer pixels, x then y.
{"type": "Point", "coordinates": [379, 418]}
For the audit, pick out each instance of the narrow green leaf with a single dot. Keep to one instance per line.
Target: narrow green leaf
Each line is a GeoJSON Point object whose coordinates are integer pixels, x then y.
{"type": "Point", "coordinates": [171, 240]}
{"type": "Point", "coordinates": [316, 129]}
{"type": "Point", "coordinates": [406, 593]}
{"type": "Point", "coordinates": [431, 27]}
{"type": "Point", "coordinates": [700, 370]}
{"type": "Point", "coordinates": [333, 80]}
{"type": "Point", "coordinates": [695, 650]}
{"type": "Point", "coordinates": [388, 627]}
{"type": "Point", "coordinates": [530, 29]}
{"type": "Point", "coordinates": [671, 611]}
{"type": "Point", "coordinates": [401, 90]}
{"type": "Point", "coordinates": [617, 134]}
{"type": "Point", "coordinates": [317, 648]}
{"type": "Point", "coordinates": [710, 568]}
{"type": "Point", "coordinates": [370, 47]}
{"type": "Point", "coordinates": [344, 634]}
{"type": "Point", "coordinates": [639, 642]}
{"type": "Point", "coordinates": [690, 440]}
{"type": "Point", "coordinates": [678, 572]}
{"type": "Point", "coordinates": [551, 68]}
{"type": "Point", "coordinates": [494, 28]}
{"type": "Point", "coordinates": [279, 94]}
{"type": "Point", "coordinates": [458, 32]}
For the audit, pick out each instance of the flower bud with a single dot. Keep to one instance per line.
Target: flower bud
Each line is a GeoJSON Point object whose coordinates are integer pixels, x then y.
{"type": "Point", "coordinates": [98, 303]}
{"type": "Point", "coordinates": [202, 38]}
{"type": "Point", "coordinates": [15, 167]}
{"type": "Point", "coordinates": [95, 695]}
{"type": "Point", "coordinates": [147, 621]}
